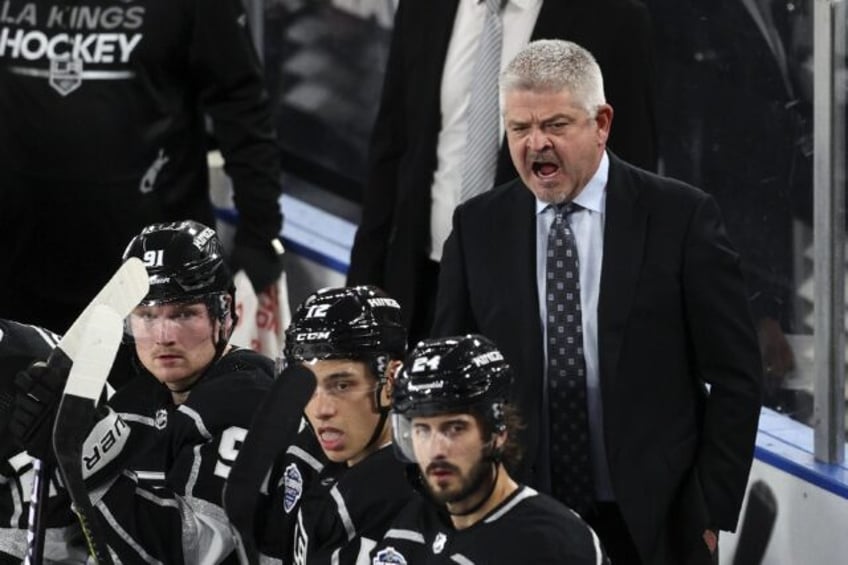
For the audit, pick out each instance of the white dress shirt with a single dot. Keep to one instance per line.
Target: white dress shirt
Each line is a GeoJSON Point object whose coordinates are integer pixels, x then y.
{"type": "Point", "coordinates": [519, 18]}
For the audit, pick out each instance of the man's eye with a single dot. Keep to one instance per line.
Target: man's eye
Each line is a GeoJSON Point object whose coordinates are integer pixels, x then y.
{"type": "Point", "coordinates": [341, 386]}
{"type": "Point", "coordinates": [455, 429]}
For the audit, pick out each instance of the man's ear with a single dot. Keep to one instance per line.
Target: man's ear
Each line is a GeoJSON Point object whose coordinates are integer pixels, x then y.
{"type": "Point", "coordinates": [603, 119]}
{"type": "Point", "coordinates": [395, 365]}
{"type": "Point", "coordinates": [499, 440]}
{"type": "Point", "coordinates": [392, 371]}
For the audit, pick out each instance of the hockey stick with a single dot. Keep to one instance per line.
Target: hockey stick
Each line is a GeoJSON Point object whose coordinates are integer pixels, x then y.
{"type": "Point", "coordinates": [123, 292]}
{"type": "Point", "coordinates": [92, 362]}
{"type": "Point", "coordinates": [274, 425]}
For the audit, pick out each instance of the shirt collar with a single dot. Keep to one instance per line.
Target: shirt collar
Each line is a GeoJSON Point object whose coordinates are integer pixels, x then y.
{"type": "Point", "coordinates": [524, 4]}
{"type": "Point", "coordinates": [520, 4]}
{"type": "Point", "coordinates": [592, 196]}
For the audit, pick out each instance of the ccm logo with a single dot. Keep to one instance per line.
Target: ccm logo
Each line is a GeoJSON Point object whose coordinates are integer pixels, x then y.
{"type": "Point", "coordinates": [313, 336]}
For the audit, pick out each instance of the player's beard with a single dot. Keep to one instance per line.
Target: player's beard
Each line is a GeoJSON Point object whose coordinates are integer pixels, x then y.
{"type": "Point", "coordinates": [477, 481]}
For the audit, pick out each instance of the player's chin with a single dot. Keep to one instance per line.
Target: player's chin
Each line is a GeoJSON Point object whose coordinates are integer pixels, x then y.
{"type": "Point", "coordinates": [173, 377]}
{"type": "Point", "coordinates": [337, 454]}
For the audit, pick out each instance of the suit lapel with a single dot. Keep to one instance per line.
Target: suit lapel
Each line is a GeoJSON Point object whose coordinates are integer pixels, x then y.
{"type": "Point", "coordinates": [625, 228]}
{"type": "Point", "coordinates": [523, 255]}
{"type": "Point", "coordinates": [518, 262]}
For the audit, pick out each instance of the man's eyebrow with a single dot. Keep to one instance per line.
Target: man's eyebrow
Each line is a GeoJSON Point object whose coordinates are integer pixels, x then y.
{"type": "Point", "coordinates": [453, 421]}
{"type": "Point", "coordinates": [338, 375]}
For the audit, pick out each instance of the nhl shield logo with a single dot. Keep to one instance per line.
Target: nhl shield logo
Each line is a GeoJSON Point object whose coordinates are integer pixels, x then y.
{"type": "Point", "coordinates": [388, 556]}
{"type": "Point", "coordinates": [65, 75]}
{"type": "Point", "coordinates": [439, 543]}
{"type": "Point", "coordinates": [293, 481]}
{"type": "Point", "coordinates": [161, 420]}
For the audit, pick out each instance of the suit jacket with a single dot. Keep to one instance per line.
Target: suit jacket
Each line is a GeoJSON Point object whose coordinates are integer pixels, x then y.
{"type": "Point", "coordinates": [393, 240]}
{"type": "Point", "coordinates": [672, 316]}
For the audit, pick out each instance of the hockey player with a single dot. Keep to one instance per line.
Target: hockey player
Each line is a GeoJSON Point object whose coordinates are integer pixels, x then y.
{"type": "Point", "coordinates": [353, 341]}
{"type": "Point", "coordinates": [21, 345]}
{"type": "Point", "coordinates": [451, 416]}
{"type": "Point", "coordinates": [157, 492]}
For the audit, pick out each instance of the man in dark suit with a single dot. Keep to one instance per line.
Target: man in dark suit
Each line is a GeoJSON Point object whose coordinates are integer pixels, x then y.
{"type": "Point", "coordinates": [412, 187]}
{"type": "Point", "coordinates": [672, 366]}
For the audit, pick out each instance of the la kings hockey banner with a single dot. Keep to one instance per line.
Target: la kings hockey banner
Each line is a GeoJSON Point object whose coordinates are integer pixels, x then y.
{"type": "Point", "coordinates": [67, 44]}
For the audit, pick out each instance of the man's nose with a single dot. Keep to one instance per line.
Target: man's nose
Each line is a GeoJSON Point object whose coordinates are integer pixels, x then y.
{"type": "Point", "coordinates": [165, 330]}
{"type": "Point", "coordinates": [323, 404]}
{"type": "Point", "coordinates": [438, 446]}
{"type": "Point", "coordinates": [537, 140]}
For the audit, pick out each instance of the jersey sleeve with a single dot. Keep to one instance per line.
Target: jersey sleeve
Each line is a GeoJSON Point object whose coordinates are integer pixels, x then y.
{"type": "Point", "coordinates": [225, 64]}
{"type": "Point", "coordinates": [184, 521]}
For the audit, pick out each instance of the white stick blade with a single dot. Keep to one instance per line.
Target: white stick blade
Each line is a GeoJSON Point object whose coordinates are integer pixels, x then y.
{"type": "Point", "coordinates": [124, 291]}
{"type": "Point", "coordinates": [98, 347]}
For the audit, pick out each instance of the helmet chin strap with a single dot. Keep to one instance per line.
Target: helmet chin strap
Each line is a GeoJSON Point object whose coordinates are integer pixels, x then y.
{"type": "Point", "coordinates": [381, 423]}
{"type": "Point", "coordinates": [378, 367]}
{"type": "Point", "coordinates": [494, 457]}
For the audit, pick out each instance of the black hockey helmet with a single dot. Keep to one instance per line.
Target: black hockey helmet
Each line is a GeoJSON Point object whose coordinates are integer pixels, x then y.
{"type": "Point", "coordinates": [185, 261]}
{"type": "Point", "coordinates": [463, 374]}
{"type": "Point", "coordinates": [360, 323]}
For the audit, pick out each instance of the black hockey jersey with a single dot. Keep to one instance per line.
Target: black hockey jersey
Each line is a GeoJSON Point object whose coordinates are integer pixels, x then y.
{"type": "Point", "coordinates": [527, 527]}
{"type": "Point", "coordinates": [20, 345]}
{"type": "Point", "coordinates": [346, 512]}
{"type": "Point", "coordinates": [103, 109]}
{"type": "Point", "coordinates": [189, 450]}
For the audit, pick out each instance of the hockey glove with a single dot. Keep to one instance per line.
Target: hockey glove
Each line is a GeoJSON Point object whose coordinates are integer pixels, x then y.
{"type": "Point", "coordinates": [262, 266]}
{"type": "Point", "coordinates": [39, 390]}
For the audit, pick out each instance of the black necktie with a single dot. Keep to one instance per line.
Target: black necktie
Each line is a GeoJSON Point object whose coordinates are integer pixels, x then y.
{"type": "Point", "coordinates": [571, 469]}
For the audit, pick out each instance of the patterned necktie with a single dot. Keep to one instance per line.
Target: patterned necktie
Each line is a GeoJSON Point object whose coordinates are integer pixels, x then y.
{"type": "Point", "coordinates": [483, 136]}
{"type": "Point", "coordinates": [571, 470]}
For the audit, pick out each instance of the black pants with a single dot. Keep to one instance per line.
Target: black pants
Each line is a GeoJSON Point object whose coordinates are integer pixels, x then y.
{"type": "Point", "coordinates": [608, 523]}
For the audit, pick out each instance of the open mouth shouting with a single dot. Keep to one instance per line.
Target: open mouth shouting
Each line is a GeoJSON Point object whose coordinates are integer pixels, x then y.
{"type": "Point", "coordinates": [544, 169]}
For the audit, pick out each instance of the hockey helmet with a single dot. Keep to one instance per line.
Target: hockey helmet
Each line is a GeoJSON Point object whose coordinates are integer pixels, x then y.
{"type": "Point", "coordinates": [466, 374]}
{"type": "Point", "coordinates": [360, 322]}
{"type": "Point", "coordinates": [185, 261]}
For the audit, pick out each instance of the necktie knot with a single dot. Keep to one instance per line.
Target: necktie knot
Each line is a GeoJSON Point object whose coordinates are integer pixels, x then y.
{"type": "Point", "coordinates": [564, 209]}
{"type": "Point", "coordinates": [494, 6]}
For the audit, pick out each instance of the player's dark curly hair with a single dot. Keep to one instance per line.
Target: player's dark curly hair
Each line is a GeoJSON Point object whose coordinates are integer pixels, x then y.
{"type": "Point", "coordinates": [511, 452]}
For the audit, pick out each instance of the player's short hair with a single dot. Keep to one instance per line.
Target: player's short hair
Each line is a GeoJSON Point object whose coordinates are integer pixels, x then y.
{"type": "Point", "coordinates": [553, 65]}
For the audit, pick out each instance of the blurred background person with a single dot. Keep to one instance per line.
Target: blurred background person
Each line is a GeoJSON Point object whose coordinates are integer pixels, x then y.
{"type": "Point", "coordinates": [103, 108]}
